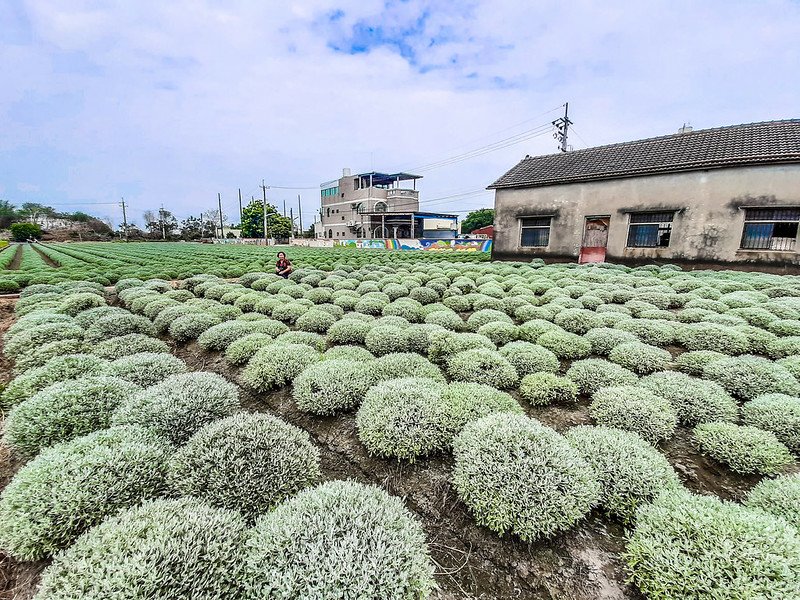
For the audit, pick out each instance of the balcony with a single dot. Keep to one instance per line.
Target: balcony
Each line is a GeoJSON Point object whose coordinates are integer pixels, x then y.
{"type": "Point", "coordinates": [401, 194]}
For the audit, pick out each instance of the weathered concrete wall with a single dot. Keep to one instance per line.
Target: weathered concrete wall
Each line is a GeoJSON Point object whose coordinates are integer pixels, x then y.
{"type": "Point", "coordinates": [707, 226]}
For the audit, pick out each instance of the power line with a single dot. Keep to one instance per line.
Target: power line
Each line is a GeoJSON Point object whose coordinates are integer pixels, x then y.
{"type": "Point", "coordinates": [580, 137]}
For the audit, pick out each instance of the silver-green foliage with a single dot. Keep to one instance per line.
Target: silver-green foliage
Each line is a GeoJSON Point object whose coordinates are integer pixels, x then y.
{"type": "Point", "coordinates": [36, 357]}
{"type": "Point", "coordinates": [743, 448]}
{"type": "Point", "coordinates": [332, 386]}
{"type": "Point", "coordinates": [529, 358]}
{"type": "Point", "coordinates": [540, 389]}
{"type": "Point", "coordinates": [58, 368]}
{"type": "Point", "coordinates": [339, 540]}
{"type": "Point", "coordinates": [64, 411]}
{"type": "Point", "coordinates": [404, 418]}
{"type": "Point", "coordinates": [565, 345]}
{"type": "Point", "coordinates": [694, 400]}
{"type": "Point", "coordinates": [634, 409]}
{"type": "Point", "coordinates": [405, 364]}
{"type": "Point", "coordinates": [246, 462]}
{"type": "Point", "coordinates": [777, 413]}
{"type": "Point", "coordinates": [591, 374]}
{"type": "Point", "coordinates": [516, 475]}
{"type": "Point", "coordinates": [37, 335]}
{"type": "Point", "coordinates": [117, 324]}
{"type": "Point", "coordinates": [242, 350]}
{"type": "Point", "coordinates": [689, 546]}
{"type": "Point", "coordinates": [166, 549]}
{"type": "Point", "coordinates": [277, 365]}
{"type": "Point", "coordinates": [640, 358]}
{"type": "Point", "coordinates": [748, 376]}
{"type": "Point", "coordinates": [695, 361]}
{"type": "Point", "coordinates": [125, 345]}
{"type": "Point", "coordinates": [779, 497]}
{"type": "Point", "coordinates": [630, 471]}
{"type": "Point", "coordinates": [180, 405]}
{"type": "Point", "coordinates": [73, 486]}
{"type": "Point", "coordinates": [481, 365]}
{"type": "Point", "coordinates": [147, 368]}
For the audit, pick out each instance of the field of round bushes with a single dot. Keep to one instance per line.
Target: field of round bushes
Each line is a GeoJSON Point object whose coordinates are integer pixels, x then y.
{"type": "Point", "coordinates": [145, 478]}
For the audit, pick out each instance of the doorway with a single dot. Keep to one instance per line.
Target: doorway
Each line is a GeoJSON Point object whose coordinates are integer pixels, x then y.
{"type": "Point", "coordinates": [595, 239]}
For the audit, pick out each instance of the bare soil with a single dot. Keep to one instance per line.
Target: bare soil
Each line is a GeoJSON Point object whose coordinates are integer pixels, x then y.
{"type": "Point", "coordinates": [50, 262]}
{"type": "Point", "coordinates": [14, 266]}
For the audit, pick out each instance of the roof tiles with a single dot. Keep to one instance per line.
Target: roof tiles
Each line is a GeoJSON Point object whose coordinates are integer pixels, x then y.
{"type": "Point", "coordinates": [769, 142]}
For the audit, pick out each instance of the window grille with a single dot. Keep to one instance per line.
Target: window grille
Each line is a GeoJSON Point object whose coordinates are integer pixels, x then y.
{"type": "Point", "coordinates": [770, 229]}
{"type": "Point", "coordinates": [650, 229]}
{"type": "Point", "coordinates": [535, 231]}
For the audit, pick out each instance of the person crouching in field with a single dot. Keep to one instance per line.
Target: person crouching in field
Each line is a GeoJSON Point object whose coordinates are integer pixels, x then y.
{"type": "Point", "coordinates": [284, 266]}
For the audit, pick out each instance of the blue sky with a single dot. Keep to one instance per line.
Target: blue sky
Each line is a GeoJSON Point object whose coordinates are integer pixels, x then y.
{"type": "Point", "coordinates": [173, 102]}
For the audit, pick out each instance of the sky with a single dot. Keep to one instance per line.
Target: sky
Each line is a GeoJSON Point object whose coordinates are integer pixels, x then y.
{"type": "Point", "coordinates": [175, 102]}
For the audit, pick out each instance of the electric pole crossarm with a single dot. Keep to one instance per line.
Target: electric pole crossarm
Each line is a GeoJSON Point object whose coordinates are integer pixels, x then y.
{"type": "Point", "coordinates": [562, 128]}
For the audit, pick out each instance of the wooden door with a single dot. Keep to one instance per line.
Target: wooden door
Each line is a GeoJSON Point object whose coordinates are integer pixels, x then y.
{"type": "Point", "coordinates": [595, 240]}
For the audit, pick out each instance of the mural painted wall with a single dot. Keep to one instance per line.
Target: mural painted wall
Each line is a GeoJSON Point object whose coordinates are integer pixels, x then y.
{"type": "Point", "coordinates": [430, 245]}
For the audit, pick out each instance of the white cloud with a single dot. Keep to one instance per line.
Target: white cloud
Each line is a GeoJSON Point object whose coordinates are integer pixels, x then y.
{"type": "Point", "coordinates": [173, 102]}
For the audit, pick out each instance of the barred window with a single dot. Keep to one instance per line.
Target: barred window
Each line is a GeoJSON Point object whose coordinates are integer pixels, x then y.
{"type": "Point", "coordinates": [534, 231]}
{"type": "Point", "coordinates": [770, 228]}
{"type": "Point", "coordinates": [650, 229]}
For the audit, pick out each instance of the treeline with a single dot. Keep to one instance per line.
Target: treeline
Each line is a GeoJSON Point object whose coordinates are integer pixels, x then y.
{"type": "Point", "coordinates": [33, 220]}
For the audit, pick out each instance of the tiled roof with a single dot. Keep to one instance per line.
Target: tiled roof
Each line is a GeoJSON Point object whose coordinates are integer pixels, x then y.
{"type": "Point", "coordinates": [769, 142]}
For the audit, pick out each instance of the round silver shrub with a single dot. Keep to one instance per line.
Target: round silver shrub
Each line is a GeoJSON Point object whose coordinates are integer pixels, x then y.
{"type": "Point", "coordinates": [221, 335]}
{"type": "Point", "coordinates": [605, 339]}
{"type": "Point", "coordinates": [690, 546]}
{"type": "Point", "coordinates": [348, 331]}
{"type": "Point", "coordinates": [118, 324]}
{"type": "Point", "coordinates": [779, 497]}
{"type": "Point", "coordinates": [694, 400]}
{"type": "Point", "coordinates": [468, 402]}
{"type": "Point", "coordinates": [126, 345]}
{"type": "Point", "coordinates": [316, 321]}
{"type": "Point", "coordinates": [312, 340]}
{"type": "Point", "coordinates": [189, 327]}
{"type": "Point", "coordinates": [630, 471]}
{"type": "Point", "coordinates": [147, 368]}
{"type": "Point", "coordinates": [649, 331]}
{"type": "Point", "coordinates": [180, 405]}
{"type": "Point", "coordinates": [74, 303]}
{"type": "Point", "coordinates": [332, 386]}
{"type": "Point", "coordinates": [58, 368]}
{"type": "Point", "coordinates": [195, 550]}
{"type": "Point", "coordinates": [640, 358]}
{"type": "Point", "coordinates": [540, 389]}
{"type": "Point", "coordinates": [710, 336]}
{"type": "Point", "coordinates": [747, 377]}
{"type": "Point", "coordinates": [64, 411]}
{"type": "Point", "coordinates": [743, 448]}
{"type": "Point", "coordinates": [383, 339]}
{"type": "Point", "coordinates": [565, 345]}
{"type": "Point", "coordinates": [481, 365]}
{"type": "Point", "coordinates": [277, 365]}
{"type": "Point", "coordinates": [529, 358]}
{"type": "Point", "coordinates": [404, 364]}
{"type": "Point", "coordinates": [635, 409]}
{"type": "Point", "coordinates": [694, 362]}
{"type": "Point", "coordinates": [445, 344]}
{"type": "Point", "coordinates": [777, 413]}
{"type": "Point", "coordinates": [518, 476]}
{"type": "Point", "coordinates": [36, 357]}
{"type": "Point", "coordinates": [305, 548]}
{"type": "Point", "coordinates": [69, 488]}
{"type": "Point", "coordinates": [404, 418]}
{"type": "Point", "coordinates": [591, 374]}
{"type": "Point", "coordinates": [352, 353]}
{"type": "Point", "coordinates": [242, 350]}
{"type": "Point", "coordinates": [246, 462]}
{"type": "Point", "coordinates": [37, 335]}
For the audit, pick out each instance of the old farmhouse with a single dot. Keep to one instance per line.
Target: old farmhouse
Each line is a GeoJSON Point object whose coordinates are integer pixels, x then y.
{"type": "Point", "coordinates": [722, 196]}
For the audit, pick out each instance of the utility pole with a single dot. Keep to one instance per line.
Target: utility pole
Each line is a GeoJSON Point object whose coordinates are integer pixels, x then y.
{"type": "Point", "coordinates": [240, 207]}
{"type": "Point", "coordinates": [219, 202]}
{"type": "Point", "coordinates": [291, 218]}
{"type": "Point", "coordinates": [202, 225]}
{"type": "Point", "coordinates": [284, 207]}
{"type": "Point", "coordinates": [124, 219]}
{"type": "Point", "coordinates": [562, 128]}
{"type": "Point", "coordinates": [300, 214]}
{"type": "Point", "coordinates": [266, 226]}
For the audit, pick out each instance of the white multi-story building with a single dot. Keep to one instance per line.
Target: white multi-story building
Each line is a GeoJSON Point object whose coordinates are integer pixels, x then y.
{"type": "Point", "coordinates": [378, 205]}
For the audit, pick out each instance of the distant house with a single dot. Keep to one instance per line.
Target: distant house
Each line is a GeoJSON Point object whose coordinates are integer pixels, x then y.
{"type": "Point", "coordinates": [378, 205]}
{"type": "Point", "coordinates": [722, 196]}
{"type": "Point", "coordinates": [483, 232]}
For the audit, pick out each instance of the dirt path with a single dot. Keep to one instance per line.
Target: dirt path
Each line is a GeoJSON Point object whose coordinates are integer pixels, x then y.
{"type": "Point", "coordinates": [18, 580]}
{"type": "Point", "coordinates": [50, 262]}
{"type": "Point", "coordinates": [14, 266]}
{"type": "Point", "coordinates": [472, 562]}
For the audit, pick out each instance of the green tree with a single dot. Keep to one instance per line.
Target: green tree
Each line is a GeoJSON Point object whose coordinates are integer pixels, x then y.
{"type": "Point", "coordinates": [477, 219]}
{"type": "Point", "coordinates": [25, 231]}
{"type": "Point", "coordinates": [253, 221]}
{"type": "Point", "coordinates": [8, 212]}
